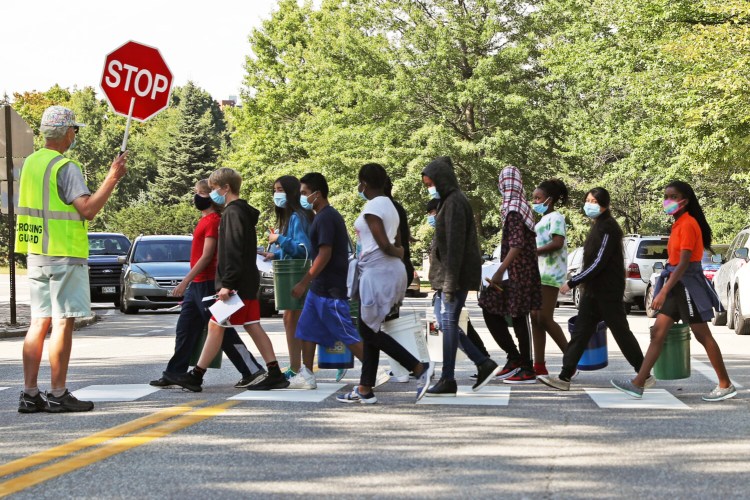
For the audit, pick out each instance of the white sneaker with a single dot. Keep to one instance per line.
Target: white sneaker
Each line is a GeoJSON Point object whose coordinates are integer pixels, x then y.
{"type": "Point", "coordinates": [650, 382]}
{"type": "Point", "coordinates": [402, 379]}
{"type": "Point", "coordinates": [382, 378]}
{"type": "Point", "coordinates": [303, 380]}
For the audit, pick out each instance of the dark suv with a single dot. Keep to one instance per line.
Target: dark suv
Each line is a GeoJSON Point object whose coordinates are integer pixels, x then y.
{"type": "Point", "coordinates": [104, 270]}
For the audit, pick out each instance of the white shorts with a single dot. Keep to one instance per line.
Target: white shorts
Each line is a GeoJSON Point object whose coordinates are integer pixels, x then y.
{"type": "Point", "coordinates": [59, 291]}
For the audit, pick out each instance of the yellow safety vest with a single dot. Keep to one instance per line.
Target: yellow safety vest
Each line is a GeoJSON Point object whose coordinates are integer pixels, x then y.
{"type": "Point", "coordinates": [46, 225]}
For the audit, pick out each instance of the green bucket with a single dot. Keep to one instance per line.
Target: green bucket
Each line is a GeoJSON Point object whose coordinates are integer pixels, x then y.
{"type": "Point", "coordinates": [216, 363]}
{"type": "Point", "coordinates": [674, 360]}
{"type": "Point", "coordinates": [286, 274]}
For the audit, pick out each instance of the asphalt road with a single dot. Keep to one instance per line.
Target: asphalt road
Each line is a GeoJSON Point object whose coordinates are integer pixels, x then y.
{"type": "Point", "coordinates": [543, 444]}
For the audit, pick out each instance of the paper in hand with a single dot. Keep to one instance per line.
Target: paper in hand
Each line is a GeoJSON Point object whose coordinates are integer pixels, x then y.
{"type": "Point", "coordinates": [264, 266]}
{"type": "Point", "coordinates": [222, 310]}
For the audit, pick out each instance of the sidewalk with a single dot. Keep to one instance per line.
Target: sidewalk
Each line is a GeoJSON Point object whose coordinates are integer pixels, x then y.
{"type": "Point", "coordinates": [23, 317]}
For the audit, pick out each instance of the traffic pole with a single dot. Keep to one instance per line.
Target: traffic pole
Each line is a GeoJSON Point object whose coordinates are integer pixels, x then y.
{"type": "Point", "coordinates": [11, 214]}
{"type": "Point", "coordinates": [127, 126]}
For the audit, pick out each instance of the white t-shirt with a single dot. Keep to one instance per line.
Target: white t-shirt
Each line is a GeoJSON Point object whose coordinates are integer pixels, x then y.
{"type": "Point", "coordinates": [383, 208]}
{"type": "Point", "coordinates": [554, 265]}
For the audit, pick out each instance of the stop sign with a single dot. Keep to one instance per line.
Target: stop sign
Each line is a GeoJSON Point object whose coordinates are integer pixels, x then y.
{"type": "Point", "coordinates": [136, 75]}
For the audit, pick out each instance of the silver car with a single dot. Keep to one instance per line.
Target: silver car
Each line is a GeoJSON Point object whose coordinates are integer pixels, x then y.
{"type": "Point", "coordinates": [732, 284]}
{"type": "Point", "coordinates": [151, 269]}
{"type": "Point", "coordinates": [641, 253]}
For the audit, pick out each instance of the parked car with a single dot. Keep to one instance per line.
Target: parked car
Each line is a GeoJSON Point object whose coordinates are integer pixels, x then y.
{"type": "Point", "coordinates": [641, 253]}
{"type": "Point", "coordinates": [575, 263]}
{"type": "Point", "coordinates": [104, 268]}
{"type": "Point", "coordinates": [709, 270]}
{"type": "Point", "coordinates": [265, 292]}
{"type": "Point", "coordinates": [489, 266]}
{"type": "Point", "coordinates": [732, 284]}
{"type": "Point", "coordinates": [151, 269]}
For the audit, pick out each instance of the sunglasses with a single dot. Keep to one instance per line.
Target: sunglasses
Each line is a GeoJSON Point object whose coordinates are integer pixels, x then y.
{"type": "Point", "coordinates": [75, 129]}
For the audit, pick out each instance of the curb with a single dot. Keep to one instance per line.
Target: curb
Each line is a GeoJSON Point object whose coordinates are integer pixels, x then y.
{"type": "Point", "coordinates": [20, 331]}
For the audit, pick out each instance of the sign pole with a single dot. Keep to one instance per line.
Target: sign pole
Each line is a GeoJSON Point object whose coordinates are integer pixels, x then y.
{"type": "Point", "coordinates": [127, 126]}
{"type": "Point", "coordinates": [11, 214]}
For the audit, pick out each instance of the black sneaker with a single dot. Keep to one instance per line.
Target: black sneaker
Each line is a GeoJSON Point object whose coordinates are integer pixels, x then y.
{"type": "Point", "coordinates": [31, 404]}
{"type": "Point", "coordinates": [66, 403]}
{"type": "Point", "coordinates": [444, 388]}
{"type": "Point", "coordinates": [485, 372]}
{"type": "Point", "coordinates": [160, 382]}
{"type": "Point", "coordinates": [272, 380]}
{"type": "Point", "coordinates": [189, 380]}
{"type": "Point", "coordinates": [248, 381]}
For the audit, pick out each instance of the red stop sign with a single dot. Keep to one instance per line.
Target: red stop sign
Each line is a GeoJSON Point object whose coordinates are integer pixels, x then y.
{"type": "Point", "coordinates": [136, 75]}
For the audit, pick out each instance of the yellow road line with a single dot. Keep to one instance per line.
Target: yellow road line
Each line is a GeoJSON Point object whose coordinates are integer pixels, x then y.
{"type": "Point", "coordinates": [118, 446]}
{"type": "Point", "coordinates": [94, 439]}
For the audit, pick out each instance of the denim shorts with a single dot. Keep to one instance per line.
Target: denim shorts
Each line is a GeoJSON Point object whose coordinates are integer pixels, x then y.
{"type": "Point", "coordinates": [60, 291]}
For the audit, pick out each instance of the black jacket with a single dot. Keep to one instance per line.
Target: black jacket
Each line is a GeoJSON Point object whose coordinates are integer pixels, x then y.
{"type": "Point", "coordinates": [403, 229]}
{"type": "Point", "coordinates": [455, 260]}
{"type": "Point", "coordinates": [603, 261]}
{"type": "Point", "coordinates": [236, 268]}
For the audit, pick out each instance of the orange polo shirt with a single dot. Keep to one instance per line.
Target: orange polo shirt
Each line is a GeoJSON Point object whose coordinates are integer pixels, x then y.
{"type": "Point", "coordinates": [686, 235]}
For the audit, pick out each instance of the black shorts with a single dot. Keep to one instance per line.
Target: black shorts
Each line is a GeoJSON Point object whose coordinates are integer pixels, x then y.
{"type": "Point", "coordinates": [679, 306]}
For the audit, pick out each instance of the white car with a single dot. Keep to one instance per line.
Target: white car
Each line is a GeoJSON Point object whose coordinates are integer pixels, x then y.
{"type": "Point", "coordinates": [732, 284]}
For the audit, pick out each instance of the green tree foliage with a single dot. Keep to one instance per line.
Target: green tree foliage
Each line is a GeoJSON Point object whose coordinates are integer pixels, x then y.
{"type": "Point", "coordinates": [152, 217]}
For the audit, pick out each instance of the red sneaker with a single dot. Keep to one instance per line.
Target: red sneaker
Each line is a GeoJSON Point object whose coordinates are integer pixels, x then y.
{"type": "Point", "coordinates": [540, 369]}
{"type": "Point", "coordinates": [522, 377]}
{"type": "Point", "coordinates": [510, 369]}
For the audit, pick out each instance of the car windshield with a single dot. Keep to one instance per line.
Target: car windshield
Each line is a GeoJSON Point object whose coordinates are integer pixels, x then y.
{"type": "Point", "coordinates": [108, 245]}
{"type": "Point", "coordinates": [652, 249]}
{"type": "Point", "coordinates": [162, 251]}
{"type": "Point", "coordinates": [707, 255]}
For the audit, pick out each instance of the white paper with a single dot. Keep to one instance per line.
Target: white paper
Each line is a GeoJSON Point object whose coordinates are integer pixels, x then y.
{"type": "Point", "coordinates": [264, 266]}
{"type": "Point", "coordinates": [223, 309]}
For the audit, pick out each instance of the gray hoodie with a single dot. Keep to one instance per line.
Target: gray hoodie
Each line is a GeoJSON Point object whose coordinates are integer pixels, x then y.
{"type": "Point", "coordinates": [455, 260]}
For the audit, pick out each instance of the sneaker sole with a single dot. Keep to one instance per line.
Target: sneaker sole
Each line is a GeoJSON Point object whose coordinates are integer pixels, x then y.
{"type": "Point", "coordinates": [63, 409]}
{"type": "Point", "coordinates": [421, 391]}
{"type": "Point", "coordinates": [30, 410]}
{"type": "Point", "coordinates": [441, 395]}
{"type": "Point", "coordinates": [305, 388]}
{"type": "Point", "coordinates": [340, 375]}
{"type": "Point", "coordinates": [722, 398]}
{"type": "Point", "coordinates": [278, 385]}
{"type": "Point", "coordinates": [507, 375]}
{"type": "Point", "coordinates": [548, 383]}
{"type": "Point", "coordinates": [632, 394]}
{"type": "Point", "coordinates": [484, 382]}
{"type": "Point", "coordinates": [514, 382]}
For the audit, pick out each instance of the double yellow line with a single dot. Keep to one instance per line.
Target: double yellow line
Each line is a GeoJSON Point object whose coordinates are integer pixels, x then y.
{"type": "Point", "coordinates": [188, 415]}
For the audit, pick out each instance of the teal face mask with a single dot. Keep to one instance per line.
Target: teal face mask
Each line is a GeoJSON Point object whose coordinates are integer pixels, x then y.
{"type": "Point", "coordinates": [433, 192]}
{"type": "Point", "coordinates": [431, 220]}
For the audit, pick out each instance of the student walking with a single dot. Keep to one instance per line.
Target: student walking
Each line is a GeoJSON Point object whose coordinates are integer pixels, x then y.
{"type": "Point", "coordinates": [515, 289]}
{"type": "Point", "coordinates": [455, 268]}
{"type": "Point", "coordinates": [380, 286]}
{"type": "Point", "coordinates": [236, 274]}
{"type": "Point", "coordinates": [603, 277]}
{"type": "Point", "coordinates": [682, 292]}
{"type": "Point", "coordinates": [292, 242]}
{"type": "Point", "coordinates": [552, 252]}
{"type": "Point", "coordinates": [199, 283]}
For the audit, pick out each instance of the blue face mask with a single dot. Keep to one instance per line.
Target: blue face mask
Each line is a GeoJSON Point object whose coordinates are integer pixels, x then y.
{"type": "Point", "coordinates": [217, 198]}
{"type": "Point", "coordinates": [279, 199]}
{"type": "Point", "coordinates": [362, 195]}
{"type": "Point", "coordinates": [591, 210]}
{"type": "Point", "coordinates": [431, 220]}
{"type": "Point", "coordinates": [433, 192]}
{"type": "Point", "coordinates": [305, 204]}
{"type": "Point", "coordinates": [540, 208]}
{"type": "Point", "coordinates": [73, 144]}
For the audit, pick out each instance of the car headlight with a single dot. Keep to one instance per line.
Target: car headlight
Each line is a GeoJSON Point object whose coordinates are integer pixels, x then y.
{"type": "Point", "coordinates": [141, 279]}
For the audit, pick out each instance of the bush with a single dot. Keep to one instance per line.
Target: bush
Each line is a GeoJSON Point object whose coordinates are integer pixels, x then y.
{"type": "Point", "coordinates": [145, 217]}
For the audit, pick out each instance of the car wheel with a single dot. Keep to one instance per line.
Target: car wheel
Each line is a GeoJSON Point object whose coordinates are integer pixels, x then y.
{"type": "Point", "coordinates": [741, 325]}
{"type": "Point", "coordinates": [124, 307]}
{"type": "Point", "coordinates": [719, 319]}
{"type": "Point", "coordinates": [576, 298]}
{"type": "Point", "coordinates": [730, 310]}
{"type": "Point", "coordinates": [648, 300]}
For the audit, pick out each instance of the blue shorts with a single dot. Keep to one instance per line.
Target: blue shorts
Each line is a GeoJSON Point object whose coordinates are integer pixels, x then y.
{"type": "Point", "coordinates": [325, 320]}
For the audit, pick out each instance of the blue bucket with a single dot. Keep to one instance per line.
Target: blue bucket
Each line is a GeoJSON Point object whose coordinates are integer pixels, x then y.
{"type": "Point", "coordinates": [338, 355]}
{"type": "Point", "coordinates": [595, 356]}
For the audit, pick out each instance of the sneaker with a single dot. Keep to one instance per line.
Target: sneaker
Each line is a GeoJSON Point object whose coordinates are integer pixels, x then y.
{"type": "Point", "coordinates": [718, 394]}
{"type": "Point", "coordinates": [628, 388]}
{"type": "Point", "coordinates": [160, 382]}
{"type": "Point", "coordinates": [66, 403]}
{"type": "Point", "coordinates": [540, 369]}
{"type": "Point", "coordinates": [510, 369]}
{"type": "Point", "coordinates": [382, 378]}
{"type": "Point", "coordinates": [252, 379]}
{"type": "Point", "coordinates": [31, 404]}
{"type": "Point", "coordinates": [423, 382]}
{"type": "Point", "coordinates": [485, 372]}
{"type": "Point", "coordinates": [554, 382]}
{"type": "Point", "coordinates": [523, 376]}
{"type": "Point", "coordinates": [289, 374]}
{"type": "Point", "coordinates": [401, 379]}
{"type": "Point", "coordinates": [189, 380]}
{"type": "Point", "coordinates": [356, 397]}
{"type": "Point", "coordinates": [650, 382]}
{"type": "Point", "coordinates": [303, 380]}
{"type": "Point", "coordinates": [340, 373]}
{"type": "Point", "coordinates": [474, 376]}
{"type": "Point", "coordinates": [444, 388]}
{"type": "Point", "coordinates": [270, 381]}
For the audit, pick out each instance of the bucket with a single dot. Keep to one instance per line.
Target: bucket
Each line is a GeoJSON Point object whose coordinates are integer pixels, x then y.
{"type": "Point", "coordinates": [595, 356]}
{"type": "Point", "coordinates": [195, 356]}
{"type": "Point", "coordinates": [286, 274]}
{"type": "Point", "coordinates": [338, 355]}
{"type": "Point", "coordinates": [407, 331]}
{"type": "Point", "coordinates": [674, 360]}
